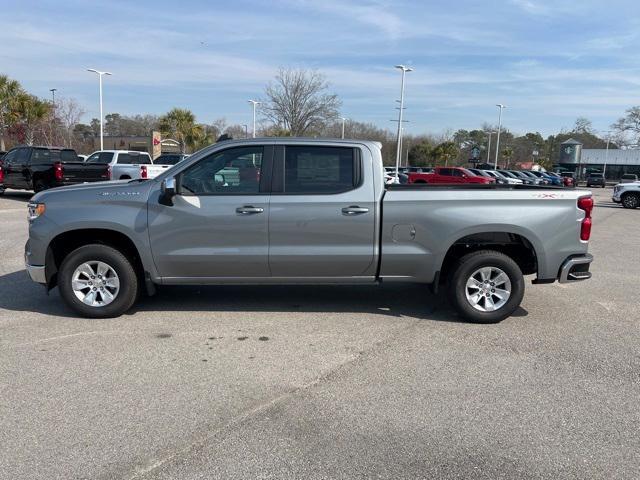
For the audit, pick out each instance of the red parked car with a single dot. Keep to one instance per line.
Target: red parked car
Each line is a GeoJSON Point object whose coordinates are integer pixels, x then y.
{"type": "Point", "coordinates": [449, 175]}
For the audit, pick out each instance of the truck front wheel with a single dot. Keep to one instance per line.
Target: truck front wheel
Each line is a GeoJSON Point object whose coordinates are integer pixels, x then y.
{"type": "Point", "coordinates": [486, 286]}
{"type": "Point", "coordinates": [631, 200]}
{"type": "Point", "coordinates": [97, 281]}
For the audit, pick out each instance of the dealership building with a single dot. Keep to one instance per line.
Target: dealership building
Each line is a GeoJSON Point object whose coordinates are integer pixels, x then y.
{"type": "Point", "coordinates": [614, 163]}
{"type": "Point", "coordinates": [154, 144]}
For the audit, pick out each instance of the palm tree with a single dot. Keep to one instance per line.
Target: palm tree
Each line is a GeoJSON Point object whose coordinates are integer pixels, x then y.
{"type": "Point", "coordinates": [507, 153]}
{"type": "Point", "coordinates": [31, 111]}
{"type": "Point", "coordinates": [198, 138]}
{"type": "Point", "coordinates": [9, 90]}
{"type": "Point", "coordinates": [446, 151]}
{"type": "Point", "coordinates": [180, 123]}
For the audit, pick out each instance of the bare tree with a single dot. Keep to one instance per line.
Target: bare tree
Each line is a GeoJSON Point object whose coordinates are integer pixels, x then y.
{"type": "Point", "coordinates": [583, 125]}
{"type": "Point", "coordinates": [297, 100]}
{"type": "Point", "coordinates": [69, 112]}
{"type": "Point", "coordinates": [630, 123]}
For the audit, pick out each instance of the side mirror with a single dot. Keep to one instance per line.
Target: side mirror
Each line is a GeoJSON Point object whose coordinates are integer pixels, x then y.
{"type": "Point", "coordinates": [168, 191]}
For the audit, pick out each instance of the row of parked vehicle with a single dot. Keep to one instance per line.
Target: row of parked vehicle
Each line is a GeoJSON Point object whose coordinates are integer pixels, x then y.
{"type": "Point", "coordinates": [449, 175]}
{"type": "Point", "coordinates": [41, 168]}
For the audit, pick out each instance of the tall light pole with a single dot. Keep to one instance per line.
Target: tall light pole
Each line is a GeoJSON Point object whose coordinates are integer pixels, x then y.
{"type": "Point", "coordinates": [606, 158]}
{"type": "Point", "coordinates": [100, 74]}
{"type": "Point", "coordinates": [399, 146]}
{"type": "Point", "coordinates": [53, 113]}
{"type": "Point", "coordinates": [255, 103]}
{"type": "Point", "coordinates": [501, 107]}
{"type": "Point", "coordinates": [343, 120]}
{"type": "Point", "coordinates": [489, 147]}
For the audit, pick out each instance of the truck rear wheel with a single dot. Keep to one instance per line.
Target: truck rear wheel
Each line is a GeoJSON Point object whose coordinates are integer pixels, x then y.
{"type": "Point", "coordinates": [486, 286]}
{"type": "Point", "coordinates": [97, 281]}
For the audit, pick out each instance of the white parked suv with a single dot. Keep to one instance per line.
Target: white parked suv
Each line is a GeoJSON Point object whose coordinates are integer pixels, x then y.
{"type": "Point", "coordinates": [123, 164]}
{"type": "Point", "coordinates": [628, 194]}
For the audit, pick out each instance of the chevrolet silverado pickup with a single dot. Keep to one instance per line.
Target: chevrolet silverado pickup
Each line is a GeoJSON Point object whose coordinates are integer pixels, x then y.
{"type": "Point", "coordinates": [122, 164]}
{"type": "Point", "coordinates": [303, 211]}
{"type": "Point", "coordinates": [40, 168]}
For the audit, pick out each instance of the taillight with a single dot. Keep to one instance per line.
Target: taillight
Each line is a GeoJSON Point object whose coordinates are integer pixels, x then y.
{"type": "Point", "coordinates": [109, 172]}
{"type": "Point", "coordinates": [585, 204]}
{"type": "Point", "coordinates": [57, 171]}
{"type": "Point", "coordinates": [143, 171]}
{"type": "Point", "coordinates": [1, 174]}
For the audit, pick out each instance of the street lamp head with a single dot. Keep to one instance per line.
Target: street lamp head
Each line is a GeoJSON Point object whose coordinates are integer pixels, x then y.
{"type": "Point", "coordinates": [500, 105]}
{"type": "Point", "coordinates": [255, 102]}
{"type": "Point", "coordinates": [404, 68]}
{"type": "Point", "coordinates": [98, 71]}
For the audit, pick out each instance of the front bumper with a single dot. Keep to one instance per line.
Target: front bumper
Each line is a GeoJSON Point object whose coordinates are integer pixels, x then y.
{"type": "Point", "coordinates": [575, 269]}
{"type": "Point", "coordinates": [36, 272]}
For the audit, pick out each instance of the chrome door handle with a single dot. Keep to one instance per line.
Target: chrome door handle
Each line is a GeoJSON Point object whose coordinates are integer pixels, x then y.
{"type": "Point", "coordinates": [354, 210]}
{"type": "Point", "coordinates": [249, 210]}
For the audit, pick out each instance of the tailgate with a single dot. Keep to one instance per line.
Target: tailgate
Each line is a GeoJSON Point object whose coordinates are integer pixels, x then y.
{"type": "Point", "coordinates": [155, 170]}
{"type": "Point", "coordinates": [78, 172]}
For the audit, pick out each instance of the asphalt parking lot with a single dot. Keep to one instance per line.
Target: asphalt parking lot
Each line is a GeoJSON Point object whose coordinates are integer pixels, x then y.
{"type": "Point", "coordinates": [324, 382]}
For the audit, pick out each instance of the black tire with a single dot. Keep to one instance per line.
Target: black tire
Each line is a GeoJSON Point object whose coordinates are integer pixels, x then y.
{"type": "Point", "coordinates": [128, 281]}
{"type": "Point", "coordinates": [39, 185]}
{"type": "Point", "coordinates": [2, 191]}
{"type": "Point", "coordinates": [470, 263]}
{"type": "Point", "coordinates": [631, 200]}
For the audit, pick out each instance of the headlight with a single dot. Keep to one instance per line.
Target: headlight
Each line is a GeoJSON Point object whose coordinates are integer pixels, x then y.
{"type": "Point", "coordinates": [35, 210]}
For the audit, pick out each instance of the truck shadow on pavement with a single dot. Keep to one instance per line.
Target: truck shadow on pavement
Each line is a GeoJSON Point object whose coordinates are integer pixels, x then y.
{"type": "Point", "coordinates": [17, 196]}
{"type": "Point", "coordinates": [18, 293]}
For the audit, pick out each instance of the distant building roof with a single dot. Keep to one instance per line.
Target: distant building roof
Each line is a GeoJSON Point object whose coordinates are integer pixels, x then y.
{"type": "Point", "coordinates": [616, 156]}
{"type": "Point", "coordinates": [571, 141]}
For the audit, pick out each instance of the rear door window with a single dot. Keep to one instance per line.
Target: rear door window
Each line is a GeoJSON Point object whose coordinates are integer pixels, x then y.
{"type": "Point", "coordinates": [100, 157]}
{"type": "Point", "coordinates": [320, 170]}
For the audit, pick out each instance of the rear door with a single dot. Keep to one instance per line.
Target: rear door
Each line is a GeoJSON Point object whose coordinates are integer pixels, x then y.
{"type": "Point", "coordinates": [322, 212]}
{"type": "Point", "coordinates": [217, 226]}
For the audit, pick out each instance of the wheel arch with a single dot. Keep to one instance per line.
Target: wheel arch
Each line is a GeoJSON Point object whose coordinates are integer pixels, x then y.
{"type": "Point", "coordinates": [515, 245]}
{"type": "Point", "coordinates": [66, 242]}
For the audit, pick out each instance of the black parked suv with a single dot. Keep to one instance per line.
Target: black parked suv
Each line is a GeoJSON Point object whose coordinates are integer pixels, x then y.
{"type": "Point", "coordinates": [39, 168]}
{"type": "Point", "coordinates": [596, 180]}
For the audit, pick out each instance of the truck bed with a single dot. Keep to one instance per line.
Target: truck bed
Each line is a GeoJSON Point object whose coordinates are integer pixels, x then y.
{"type": "Point", "coordinates": [421, 222]}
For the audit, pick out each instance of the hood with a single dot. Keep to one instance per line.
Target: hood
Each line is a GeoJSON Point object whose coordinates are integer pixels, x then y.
{"type": "Point", "coordinates": [106, 190]}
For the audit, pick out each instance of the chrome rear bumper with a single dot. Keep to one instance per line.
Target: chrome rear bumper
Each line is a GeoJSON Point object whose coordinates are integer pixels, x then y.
{"type": "Point", "coordinates": [575, 269]}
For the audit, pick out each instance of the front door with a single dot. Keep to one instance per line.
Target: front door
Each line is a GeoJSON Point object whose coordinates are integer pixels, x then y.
{"type": "Point", "coordinates": [217, 226]}
{"type": "Point", "coordinates": [322, 212]}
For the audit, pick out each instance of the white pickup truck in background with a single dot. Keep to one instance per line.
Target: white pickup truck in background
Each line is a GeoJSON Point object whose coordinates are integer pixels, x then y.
{"type": "Point", "coordinates": [160, 164]}
{"type": "Point", "coordinates": [123, 164]}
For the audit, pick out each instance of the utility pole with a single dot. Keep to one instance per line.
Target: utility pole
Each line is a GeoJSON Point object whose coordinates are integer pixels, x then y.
{"type": "Point", "coordinates": [501, 107]}
{"type": "Point", "coordinates": [343, 120]}
{"type": "Point", "coordinates": [100, 74]}
{"type": "Point", "coordinates": [401, 109]}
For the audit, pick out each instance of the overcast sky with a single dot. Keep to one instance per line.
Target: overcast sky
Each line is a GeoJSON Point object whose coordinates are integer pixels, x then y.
{"type": "Point", "coordinates": [548, 61]}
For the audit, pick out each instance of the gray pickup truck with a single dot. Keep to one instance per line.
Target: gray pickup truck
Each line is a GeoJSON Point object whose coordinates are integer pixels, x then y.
{"type": "Point", "coordinates": [301, 211]}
